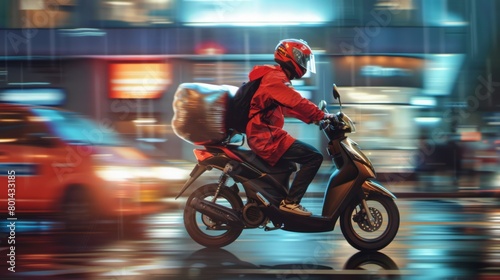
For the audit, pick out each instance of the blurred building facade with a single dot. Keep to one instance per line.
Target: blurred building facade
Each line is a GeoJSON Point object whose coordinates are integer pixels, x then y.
{"type": "Point", "coordinates": [407, 68]}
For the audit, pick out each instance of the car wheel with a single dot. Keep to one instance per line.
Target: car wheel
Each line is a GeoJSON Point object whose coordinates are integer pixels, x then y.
{"type": "Point", "coordinates": [78, 214]}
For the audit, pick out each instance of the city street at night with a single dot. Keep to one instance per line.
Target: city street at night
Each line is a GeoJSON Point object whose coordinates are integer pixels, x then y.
{"type": "Point", "coordinates": [249, 139]}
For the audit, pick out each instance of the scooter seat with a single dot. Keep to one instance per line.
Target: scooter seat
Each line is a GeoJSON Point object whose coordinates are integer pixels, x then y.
{"type": "Point", "coordinates": [282, 166]}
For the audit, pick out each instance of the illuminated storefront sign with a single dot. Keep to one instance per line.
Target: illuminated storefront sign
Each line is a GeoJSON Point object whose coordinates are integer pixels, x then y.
{"type": "Point", "coordinates": [139, 80]}
{"type": "Point", "coordinates": [433, 74]}
{"type": "Point", "coordinates": [256, 12]}
{"type": "Point", "coordinates": [379, 70]}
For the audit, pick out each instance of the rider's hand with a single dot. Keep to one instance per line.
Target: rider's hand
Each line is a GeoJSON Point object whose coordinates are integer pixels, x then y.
{"type": "Point", "coordinates": [332, 117]}
{"type": "Point", "coordinates": [334, 120]}
{"type": "Point", "coordinates": [326, 116]}
{"type": "Point", "coordinates": [329, 116]}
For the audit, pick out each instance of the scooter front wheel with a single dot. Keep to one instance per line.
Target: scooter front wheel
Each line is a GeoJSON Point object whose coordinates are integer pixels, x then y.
{"type": "Point", "coordinates": [372, 231]}
{"type": "Point", "coordinates": [203, 229]}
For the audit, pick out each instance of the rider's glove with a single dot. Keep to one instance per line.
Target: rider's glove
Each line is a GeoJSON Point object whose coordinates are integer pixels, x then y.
{"type": "Point", "coordinates": [333, 118]}
{"type": "Point", "coordinates": [329, 116]}
{"type": "Point", "coordinates": [326, 116]}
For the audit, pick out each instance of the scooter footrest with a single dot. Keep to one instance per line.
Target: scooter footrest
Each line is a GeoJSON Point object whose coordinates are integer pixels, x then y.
{"type": "Point", "coordinates": [271, 228]}
{"type": "Point", "coordinates": [298, 223]}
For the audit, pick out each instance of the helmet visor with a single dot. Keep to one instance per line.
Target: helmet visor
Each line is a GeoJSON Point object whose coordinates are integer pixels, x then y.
{"type": "Point", "coordinates": [306, 61]}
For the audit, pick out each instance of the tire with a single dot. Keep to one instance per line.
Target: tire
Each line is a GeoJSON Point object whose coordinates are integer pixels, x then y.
{"type": "Point", "coordinates": [77, 211]}
{"type": "Point", "coordinates": [357, 230]}
{"type": "Point", "coordinates": [197, 224]}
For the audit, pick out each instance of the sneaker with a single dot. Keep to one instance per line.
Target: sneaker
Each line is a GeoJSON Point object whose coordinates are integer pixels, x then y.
{"type": "Point", "coordinates": [294, 208]}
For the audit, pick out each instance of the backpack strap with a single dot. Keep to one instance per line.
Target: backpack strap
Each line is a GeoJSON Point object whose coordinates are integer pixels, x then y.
{"type": "Point", "coordinates": [231, 137]}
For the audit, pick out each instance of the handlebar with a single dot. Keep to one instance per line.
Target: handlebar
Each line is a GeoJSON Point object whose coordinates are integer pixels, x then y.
{"type": "Point", "coordinates": [335, 123]}
{"type": "Point", "coordinates": [339, 123]}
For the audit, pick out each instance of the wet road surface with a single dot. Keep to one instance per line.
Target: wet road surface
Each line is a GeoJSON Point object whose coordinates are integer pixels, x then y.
{"type": "Point", "coordinates": [437, 239]}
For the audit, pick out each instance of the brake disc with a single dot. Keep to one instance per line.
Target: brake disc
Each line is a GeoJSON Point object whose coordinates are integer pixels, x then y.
{"type": "Point", "coordinates": [376, 222]}
{"type": "Point", "coordinates": [208, 221]}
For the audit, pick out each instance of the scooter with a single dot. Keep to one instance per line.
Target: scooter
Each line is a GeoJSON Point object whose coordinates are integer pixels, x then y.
{"type": "Point", "coordinates": [216, 214]}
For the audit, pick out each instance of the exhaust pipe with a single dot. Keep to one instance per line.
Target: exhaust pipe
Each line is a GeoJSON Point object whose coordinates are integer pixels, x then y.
{"type": "Point", "coordinates": [217, 212]}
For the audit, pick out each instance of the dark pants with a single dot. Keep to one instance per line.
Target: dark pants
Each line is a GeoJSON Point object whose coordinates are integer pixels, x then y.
{"type": "Point", "coordinates": [309, 159]}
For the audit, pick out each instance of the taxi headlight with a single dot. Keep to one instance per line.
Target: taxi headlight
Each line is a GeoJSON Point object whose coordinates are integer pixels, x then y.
{"type": "Point", "coordinates": [134, 173]}
{"type": "Point", "coordinates": [171, 173]}
{"type": "Point", "coordinates": [116, 173]}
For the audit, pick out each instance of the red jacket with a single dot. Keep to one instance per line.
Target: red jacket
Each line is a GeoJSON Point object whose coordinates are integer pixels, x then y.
{"type": "Point", "coordinates": [265, 133]}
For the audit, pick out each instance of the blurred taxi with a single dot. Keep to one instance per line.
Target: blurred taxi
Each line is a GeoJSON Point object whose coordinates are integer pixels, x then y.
{"type": "Point", "coordinates": [67, 164]}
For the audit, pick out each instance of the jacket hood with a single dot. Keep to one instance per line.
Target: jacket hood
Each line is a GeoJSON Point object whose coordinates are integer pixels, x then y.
{"type": "Point", "coordinates": [260, 70]}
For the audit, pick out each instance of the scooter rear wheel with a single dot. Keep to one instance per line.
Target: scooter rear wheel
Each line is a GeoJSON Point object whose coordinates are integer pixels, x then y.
{"type": "Point", "coordinates": [206, 231]}
{"type": "Point", "coordinates": [366, 236]}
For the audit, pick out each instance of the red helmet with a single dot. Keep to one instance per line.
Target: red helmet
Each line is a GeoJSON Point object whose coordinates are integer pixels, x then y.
{"type": "Point", "coordinates": [296, 56]}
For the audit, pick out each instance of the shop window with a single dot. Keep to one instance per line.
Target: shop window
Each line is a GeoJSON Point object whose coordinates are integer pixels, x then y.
{"type": "Point", "coordinates": [136, 12]}
{"type": "Point", "coordinates": [229, 73]}
{"type": "Point", "coordinates": [44, 13]}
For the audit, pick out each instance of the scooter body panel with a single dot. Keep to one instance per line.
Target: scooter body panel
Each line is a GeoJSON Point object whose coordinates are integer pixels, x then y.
{"type": "Point", "coordinates": [297, 223]}
{"type": "Point", "coordinates": [338, 196]}
{"type": "Point", "coordinates": [373, 186]}
{"type": "Point", "coordinates": [346, 182]}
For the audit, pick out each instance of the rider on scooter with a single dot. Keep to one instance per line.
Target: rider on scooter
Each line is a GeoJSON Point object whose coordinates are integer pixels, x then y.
{"type": "Point", "coordinates": [265, 133]}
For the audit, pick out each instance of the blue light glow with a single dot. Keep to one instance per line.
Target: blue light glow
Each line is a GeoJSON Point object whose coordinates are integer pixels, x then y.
{"type": "Point", "coordinates": [34, 96]}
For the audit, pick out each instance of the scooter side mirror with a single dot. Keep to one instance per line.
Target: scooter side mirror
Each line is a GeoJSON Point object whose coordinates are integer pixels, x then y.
{"type": "Point", "coordinates": [322, 105]}
{"type": "Point", "coordinates": [336, 94]}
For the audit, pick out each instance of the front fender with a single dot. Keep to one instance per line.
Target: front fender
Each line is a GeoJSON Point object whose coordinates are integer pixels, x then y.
{"type": "Point", "coordinates": [372, 186]}
{"type": "Point", "coordinates": [197, 171]}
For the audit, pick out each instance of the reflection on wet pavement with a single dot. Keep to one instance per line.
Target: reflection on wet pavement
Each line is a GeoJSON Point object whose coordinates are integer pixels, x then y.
{"type": "Point", "coordinates": [438, 239]}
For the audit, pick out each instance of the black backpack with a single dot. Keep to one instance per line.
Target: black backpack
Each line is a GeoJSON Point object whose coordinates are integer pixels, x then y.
{"type": "Point", "coordinates": [239, 106]}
